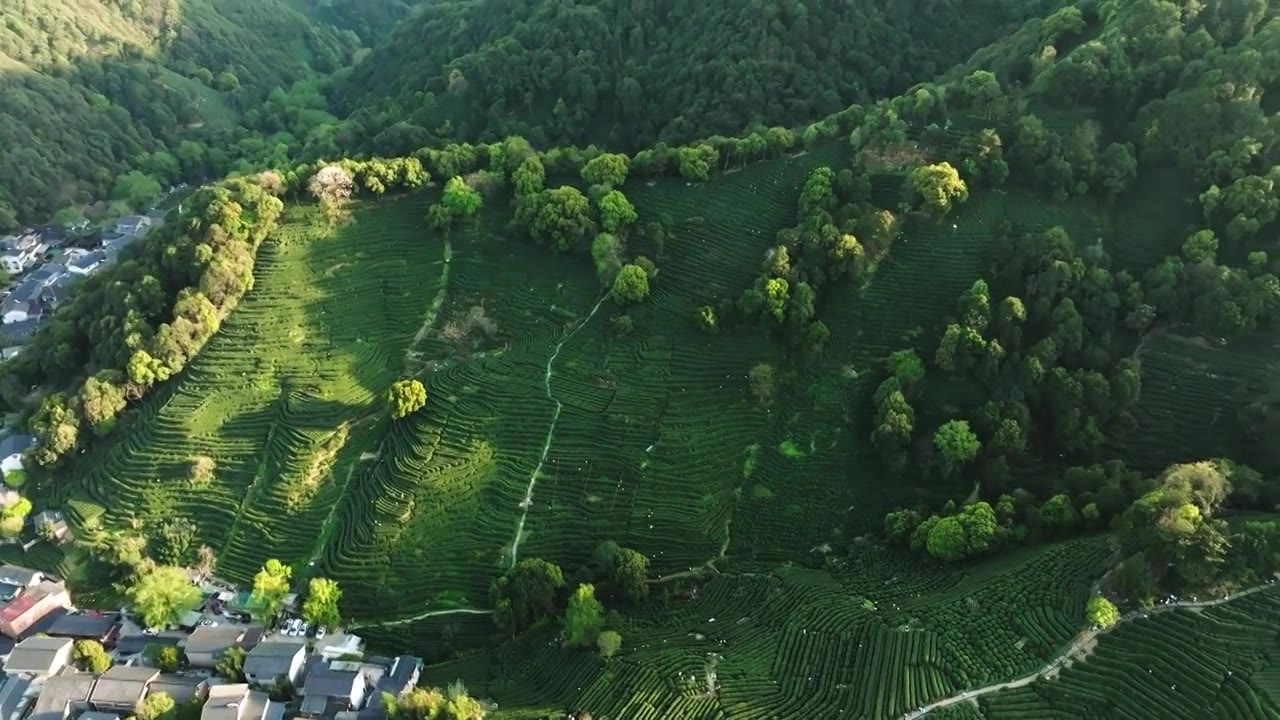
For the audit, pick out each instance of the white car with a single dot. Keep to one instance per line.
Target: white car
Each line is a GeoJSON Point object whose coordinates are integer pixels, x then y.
{"type": "Point", "coordinates": [320, 633]}
{"type": "Point", "coordinates": [151, 631]}
{"type": "Point", "coordinates": [303, 628]}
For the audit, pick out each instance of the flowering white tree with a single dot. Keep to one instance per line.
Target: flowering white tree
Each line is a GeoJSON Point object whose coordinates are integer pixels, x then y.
{"type": "Point", "coordinates": [332, 186]}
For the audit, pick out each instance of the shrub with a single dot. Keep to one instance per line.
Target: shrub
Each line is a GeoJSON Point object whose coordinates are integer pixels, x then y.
{"type": "Point", "coordinates": [609, 643]}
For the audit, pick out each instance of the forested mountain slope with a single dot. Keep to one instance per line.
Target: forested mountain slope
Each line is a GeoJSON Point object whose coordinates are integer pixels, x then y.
{"type": "Point", "coordinates": [89, 88]}
{"type": "Point", "coordinates": [627, 74]}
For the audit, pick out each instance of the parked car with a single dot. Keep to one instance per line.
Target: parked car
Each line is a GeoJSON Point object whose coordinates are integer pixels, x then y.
{"type": "Point", "coordinates": [320, 633]}
{"type": "Point", "coordinates": [151, 631]}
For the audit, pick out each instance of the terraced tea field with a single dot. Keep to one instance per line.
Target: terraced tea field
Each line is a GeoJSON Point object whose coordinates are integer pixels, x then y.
{"type": "Point", "coordinates": [281, 398]}
{"type": "Point", "coordinates": [871, 638]}
{"type": "Point", "coordinates": [1191, 392]}
{"type": "Point", "coordinates": [1220, 662]}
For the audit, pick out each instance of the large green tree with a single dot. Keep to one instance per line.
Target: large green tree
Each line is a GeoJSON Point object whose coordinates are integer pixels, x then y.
{"type": "Point", "coordinates": [162, 595]}
{"type": "Point", "coordinates": [321, 606]}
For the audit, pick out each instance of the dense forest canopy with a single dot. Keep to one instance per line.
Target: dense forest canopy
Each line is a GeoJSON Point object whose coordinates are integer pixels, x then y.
{"type": "Point", "coordinates": [93, 89]}
{"type": "Point", "coordinates": [626, 73]}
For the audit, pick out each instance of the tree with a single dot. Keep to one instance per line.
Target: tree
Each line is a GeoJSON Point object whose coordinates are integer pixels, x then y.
{"type": "Point", "coordinates": [563, 217]}
{"type": "Point", "coordinates": [946, 539]}
{"type": "Point", "coordinates": [906, 366]}
{"type": "Point", "coordinates": [937, 187]}
{"type": "Point", "coordinates": [607, 169]}
{"type": "Point", "coordinates": [631, 285]}
{"type": "Point", "coordinates": [321, 605]}
{"type": "Point", "coordinates": [608, 643]}
{"type": "Point", "coordinates": [1200, 247]}
{"type": "Point", "coordinates": [332, 186]}
{"type": "Point", "coordinates": [628, 571]}
{"type": "Point", "coordinates": [136, 189]}
{"type": "Point", "coordinates": [101, 399]}
{"type": "Point", "coordinates": [91, 657]}
{"type": "Point", "coordinates": [900, 525]}
{"type": "Point", "coordinates": [616, 211]}
{"type": "Point", "coordinates": [168, 659]}
{"type": "Point", "coordinates": [163, 595]}
{"type": "Point", "coordinates": [459, 200]}
{"type": "Point", "coordinates": [1101, 612]}
{"type": "Point", "coordinates": [762, 379]}
{"type": "Point", "coordinates": [155, 706]}
{"type": "Point", "coordinates": [405, 397]}
{"type": "Point", "coordinates": [270, 586]}
{"type": "Point", "coordinates": [584, 618]}
{"type": "Point", "coordinates": [957, 444]}
{"type": "Point", "coordinates": [56, 426]}
{"type": "Point", "coordinates": [526, 593]}
{"type": "Point", "coordinates": [230, 664]}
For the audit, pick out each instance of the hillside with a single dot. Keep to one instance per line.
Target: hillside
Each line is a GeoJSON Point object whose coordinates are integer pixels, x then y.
{"type": "Point", "coordinates": [626, 75]}
{"type": "Point", "coordinates": [90, 90]}
{"type": "Point", "coordinates": [950, 388]}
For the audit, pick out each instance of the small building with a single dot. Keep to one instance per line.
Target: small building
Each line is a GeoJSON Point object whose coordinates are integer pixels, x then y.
{"type": "Point", "coordinates": [121, 688]}
{"type": "Point", "coordinates": [235, 702]}
{"type": "Point", "coordinates": [48, 274]}
{"type": "Point", "coordinates": [21, 251]}
{"type": "Point", "coordinates": [63, 696]}
{"type": "Point", "coordinates": [21, 332]}
{"type": "Point", "coordinates": [39, 656]}
{"type": "Point", "coordinates": [40, 600]}
{"type": "Point", "coordinates": [86, 263]}
{"type": "Point", "coordinates": [23, 303]}
{"type": "Point", "coordinates": [102, 627]}
{"type": "Point", "coordinates": [11, 450]}
{"type": "Point", "coordinates": [280, 658]}
{"type": "Point", "coordinates": [182, 688]}
{"type": "Point", "coordinates": [402, 676]}
{"type": "Point", "coordinates": [54, 524]}
{"type": "Point", "coordinates": [206, 644]}
{"type": "Point", "coordinates": [133, 225]}
{"type": "Point", "coordinates": [14, 574]}
{"type": "Point", "coordinates": [134, 644]}
{"type": "Point", "coordinates": [15, 696]}
{"type": "Point", "coordinates": [334, 687]}
{"type": "Point", "coordinates": [56, 293]}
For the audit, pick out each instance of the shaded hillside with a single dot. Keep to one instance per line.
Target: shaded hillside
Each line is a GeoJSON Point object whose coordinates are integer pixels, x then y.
{"type": "Point", "coordinates": [627, 74]}
{"type": "Point", "coordinates": [88, 88]}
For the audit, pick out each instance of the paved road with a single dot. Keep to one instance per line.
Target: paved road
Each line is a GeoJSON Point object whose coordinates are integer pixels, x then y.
{"type": "Point", "coordinates": [1080, 643]}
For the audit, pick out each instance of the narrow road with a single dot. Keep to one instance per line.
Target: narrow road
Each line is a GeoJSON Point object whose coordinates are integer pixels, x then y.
{"type": "Point", "coordinates": [437, 303]}
{"type": "Point", "coordinates": [1079, 644]}
{"type": "Point", "coordinates": [422, 616]}
{"type": "Point", "coordinates": [551, 431]}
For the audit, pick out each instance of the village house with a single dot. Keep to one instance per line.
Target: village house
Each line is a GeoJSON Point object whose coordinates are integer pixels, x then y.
{"type": "Point", "coordinates": [31, 606]}
{"type": "Point", "coordinates": [21, 251]}
{"type": "Point", "coordinates": [39, 656]}
{"type": "Point", "coordinates": [63, 696]}
{"type": "Point", "coordinates": [16, 695]}
{"type": "Point", "coordinates": [235, 702]}
{"type": "Point", "coordinates": [54, 523]}
{"type": "Point", "coordinates": [102, 627]}
{"type": "Point", "coordinates": [337, 686]}
{"type": "Point", "coordinates": [206, 644]}
{"type": "Point", "coordinates": [279, 658]}
{"type": "Point", "coordinates": [11, 449]}
{"type": "Point", "coordinates": [182, 688]}
{"type": "Point", "coordinates": [121, 688]}
{"type": "Point", "coordinates": [85, 263]}
{"type": "Point", "coordinates": [133, 225]}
